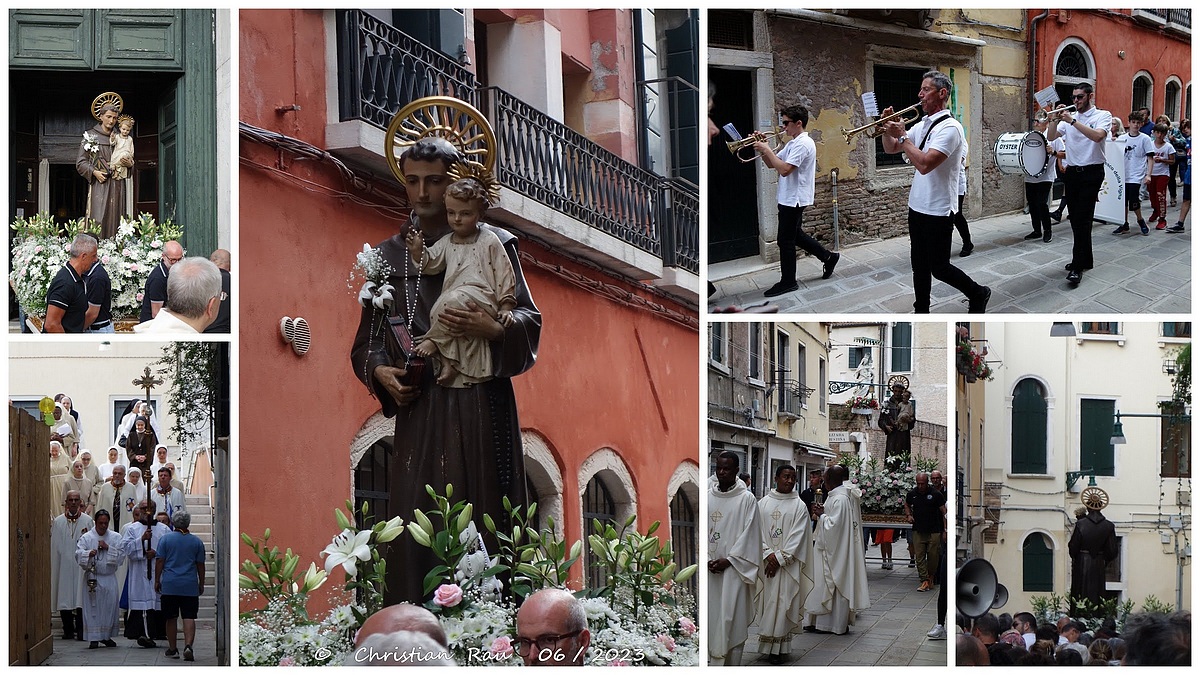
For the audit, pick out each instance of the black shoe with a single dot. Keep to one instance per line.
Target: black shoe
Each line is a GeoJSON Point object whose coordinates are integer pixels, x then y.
{"type": "Point", "coordinates": [774, 659]}
{"type": "Point", "coordinates": [1074, 278]}
{"type": "Point", "coordinates": [1036, 234]}
{"type": "Point", "coordinates": [810, 629]}
{"type": "Point", "coordinates": [966, 250]}
{"type": "Point", "coordinates": [108, 643]}
{"type": "Point", "coordinates": [146, 643]}
{"type": "Point", "coordinates": [187, 654]}
{"type": "Point", "coordinates": [1175, 229]}
{"type": "Point", "coordinates": [830, 264]}
{"type": "Point", "coordinates": [1057, 216]}
{"type": "Point", "coordinates": [781, 288]}
{"type": "Point", "coordinates": [172, 654]}
{"type": "Point", "coordinates": [1121, 229]}
{"type": "Point", "coordinates": [818, 631]}
{"type": "Point", "coordinates": [1046, 237]}
{"type": "Point", "coordinates": [978, 304]}
{"type": "Point", "coordinates": [93, 645]}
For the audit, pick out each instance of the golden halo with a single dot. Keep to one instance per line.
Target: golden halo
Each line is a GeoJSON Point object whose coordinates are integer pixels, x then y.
{"type": "Point", "coordinates": [107, 98]}
{"type": "Point", "coordinates": [480, 173]}
{"type": "Point", "coordinates": [897, 379]}
{"type": "Point", "coordinates": [443, 117]}
{"type": "Point", "coordinates": [1094, 498]}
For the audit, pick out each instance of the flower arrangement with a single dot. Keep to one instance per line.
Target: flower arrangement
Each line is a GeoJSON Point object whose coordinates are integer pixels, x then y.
{"type": "Point", "coordinates": [41, 246]}
{"type": "Point", "coordinates": [642, 616]}
{"type": "Point", "coordinates": [885, 485]}
{"type": "Point", "coordinates": [868, 402]}
{"type": "Point", "coordinates": [970, 362]}
{"type": "Point", "coordinates": [373, 271]}
{"type": "Point", "coordinates": [91, 145]}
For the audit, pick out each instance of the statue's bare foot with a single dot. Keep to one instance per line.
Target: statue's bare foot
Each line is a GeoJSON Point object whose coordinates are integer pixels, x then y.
{"type": "Point", "coordinates": [425, 348]}
{"type": "Point", "coordinates": [447, 374]}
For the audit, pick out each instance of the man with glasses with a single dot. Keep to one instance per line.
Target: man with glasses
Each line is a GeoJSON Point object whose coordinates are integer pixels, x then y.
{"type": "Point", "coordinates": [552, 629]}
{"type": "Point", "coordinates": [935, 151]}
{"type": "Point", "coordinates": [796, 164]}
{"type": "Point", "coordinates": [154, 296]}
{"type": "Point", "coordinates": [194, 298]}
{"type": "Point", "coordinates": [66, 301]}
{"type": "Point", "coordinates": [1085, 134]}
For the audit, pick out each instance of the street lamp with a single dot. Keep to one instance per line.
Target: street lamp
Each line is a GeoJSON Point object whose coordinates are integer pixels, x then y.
{"type": "Point", "coordinates": [1062, 329]}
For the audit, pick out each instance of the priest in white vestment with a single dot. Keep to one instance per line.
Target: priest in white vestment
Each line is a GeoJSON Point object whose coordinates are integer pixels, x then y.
{"type": "Point", "coordinates": [99, 553]}
{"type": "Point", "coordinates": [140, 541]}
{"type": "Point", "coordinates": [785, 578]}
{"type": "Point", "coordinates": [840, 569]}
{"type": "Point", "coordinates": [119, 498]}
{"type": "Point", "coordinates": [66, 576]}
{"type": "Point", "coordinates": [166, 497]}
{"type": "Point", "coordinates": [734, 551]}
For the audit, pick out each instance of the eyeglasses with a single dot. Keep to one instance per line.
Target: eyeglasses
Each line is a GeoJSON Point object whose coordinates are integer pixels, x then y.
{"type": "Point", "coordinates": [787, 122]}
{"type": "Point", "coordinates": [1077, 97]}
{"type": "Point", "coordinates": [223, 296]}
{"type": "Point", "coordinates": [543, 642]}
{"type": "Point", "coordinates": [172, 260]}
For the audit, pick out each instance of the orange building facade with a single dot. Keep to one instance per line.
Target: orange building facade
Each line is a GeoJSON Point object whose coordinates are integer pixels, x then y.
{"type": "Point", "coordinates": [608, 413]}
{"type": "Point", "coordinates": [1132, 57]}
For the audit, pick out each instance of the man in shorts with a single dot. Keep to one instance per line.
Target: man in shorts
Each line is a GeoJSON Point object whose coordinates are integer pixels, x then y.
{"type": "Point", "coordinates": [179, 578]}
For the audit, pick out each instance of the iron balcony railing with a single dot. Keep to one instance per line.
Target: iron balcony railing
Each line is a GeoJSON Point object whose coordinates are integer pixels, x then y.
{"type": "Point", "coordinates": [381, 69]}
{"type": "Point", "coordinates": [792, 396]}
{"type": "Point", "coordinates": [1180, 17]}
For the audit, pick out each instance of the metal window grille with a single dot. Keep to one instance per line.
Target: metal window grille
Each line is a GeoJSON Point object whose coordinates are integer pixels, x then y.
{"type": "Point", "coordinates": [598, 504]}
{"type": "Point", "coordinates": [684, 543]}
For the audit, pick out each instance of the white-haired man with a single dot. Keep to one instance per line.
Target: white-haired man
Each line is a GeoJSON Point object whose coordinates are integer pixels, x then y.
{"type": "Point", "coordinates": [194, 298]}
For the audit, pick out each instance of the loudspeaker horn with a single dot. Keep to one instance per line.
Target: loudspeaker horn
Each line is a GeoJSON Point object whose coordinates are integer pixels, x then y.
{"type": "Point", "coordinates": [1001, 596]}
{"type": "Point", "coordinates": [977, 587]}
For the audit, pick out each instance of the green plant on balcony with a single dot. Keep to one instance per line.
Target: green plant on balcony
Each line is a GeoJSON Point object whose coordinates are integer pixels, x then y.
{"type": "Point", "coordinates": [969, 361]}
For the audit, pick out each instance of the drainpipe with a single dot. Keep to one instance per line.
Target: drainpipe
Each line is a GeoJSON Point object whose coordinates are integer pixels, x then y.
{"type": "Point", "coordinates": [1033, 58]}
{"type": "Point", "coordinates": [833, 187]}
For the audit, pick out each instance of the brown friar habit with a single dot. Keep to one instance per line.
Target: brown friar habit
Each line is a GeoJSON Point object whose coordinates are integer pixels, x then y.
{"type": "Point", "coordinates": [1093, 545]}
{"type": "Point", "coordinates": [106, 201]}
{"type": "Point", "coordinates": [469, 437]}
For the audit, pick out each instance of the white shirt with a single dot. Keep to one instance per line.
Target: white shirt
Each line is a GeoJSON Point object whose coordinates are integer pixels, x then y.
{"type": "Point", "coordinates": [1136, 150]}
{"type": "Point", "coordinates": [936, 193]}
{"type": "Point", "coordinates": [962, 174]}
{"type": "Point", "coordinates": [1162, 153]}
{"type": "Point", "coordinates": [1082, 150]}
{"type": "Point", "coordinates": [796, 188]}
{"type": "Point", "coordinates": [165, 322]}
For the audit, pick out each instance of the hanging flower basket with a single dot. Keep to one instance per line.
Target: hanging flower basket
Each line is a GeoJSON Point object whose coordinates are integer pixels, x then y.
{"type": "Point", "coordinates": [861, 411]}
{"type": "Point", "coordinates": [863, 405]}
{"type": "Point", "coordinates": [971, 364]}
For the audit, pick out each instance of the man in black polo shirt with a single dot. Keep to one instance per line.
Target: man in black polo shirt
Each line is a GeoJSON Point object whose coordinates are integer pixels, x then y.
{"type": "Point", "coordinates": [926, 510]}
{"type": "Point", "coordinates": [220, 258]}
{"type": "Point", "coordinates": [66, 301]}
{"type": "Point", "coordinates": [154, 296]}
{"type": "Point", "coordinates": [99, 296]}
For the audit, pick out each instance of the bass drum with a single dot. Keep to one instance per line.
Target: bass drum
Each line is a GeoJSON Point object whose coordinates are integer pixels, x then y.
{"type": "Point", "coordinates": [1020, 153]}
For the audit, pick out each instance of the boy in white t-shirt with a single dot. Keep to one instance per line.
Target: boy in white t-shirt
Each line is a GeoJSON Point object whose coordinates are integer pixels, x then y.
{"type": "Point", "coordinates": [1163, 156]}
{"type": "Point", "coordinates": [1139, 150]}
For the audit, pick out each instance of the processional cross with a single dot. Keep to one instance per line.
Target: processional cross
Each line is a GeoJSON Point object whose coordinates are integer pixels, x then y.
{"type": "Point", "coordinates": [147, 381]}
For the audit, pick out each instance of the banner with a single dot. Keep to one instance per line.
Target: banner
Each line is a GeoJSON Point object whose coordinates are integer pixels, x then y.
{"type": "Point", "coordinates": [1111, 206]}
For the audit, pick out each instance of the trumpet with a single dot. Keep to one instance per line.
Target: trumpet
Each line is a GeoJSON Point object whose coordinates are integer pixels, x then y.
{"type": "Point", "coordinates": [876, 127]}
{"type": "Point", "coordinates": [1043, 115]}
{"type": "Point", "coordinates": [776, 136]}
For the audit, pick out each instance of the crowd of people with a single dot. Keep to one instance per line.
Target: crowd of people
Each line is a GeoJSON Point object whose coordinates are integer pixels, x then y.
{"type": "Point", "coordinates": [119, 542]}
{"type": "Point", "coordinates": [1147, 639]}
{"type": "Point", "coordinates": [797, 561]}
{"type": "Point", "coordinates": [182, 295]}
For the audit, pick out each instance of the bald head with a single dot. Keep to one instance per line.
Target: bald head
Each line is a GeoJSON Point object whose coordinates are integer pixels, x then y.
{"type": "Point", "coordinates": [969, 651]}
{"type": "Point", "coordinates": [220, 258]}
{"type": "Point", "coordinates": [551, 612]}
{"type": "Point", "coordinates": [402, 617]}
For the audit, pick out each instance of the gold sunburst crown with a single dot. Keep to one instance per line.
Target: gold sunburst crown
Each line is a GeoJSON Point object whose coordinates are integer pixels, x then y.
{"type": "Point", "coordinates": [108, 98]}
{"type": "Point", "coordinates": [445, 117]}
{"type": "Point", "coordinates": [125, 118]}
{"type": "Point", "coordinates": [480, 173]}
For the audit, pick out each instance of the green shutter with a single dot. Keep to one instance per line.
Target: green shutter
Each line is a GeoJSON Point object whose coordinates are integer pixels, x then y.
{"type": "Point", "coordinates": [902, 347]}
{"type": "Point", "coordinates": [1038, 562]}
{"type": "Point", "coordinates": [1029, 428]}
{"type": "Point", "coordinates": [1095, 436]}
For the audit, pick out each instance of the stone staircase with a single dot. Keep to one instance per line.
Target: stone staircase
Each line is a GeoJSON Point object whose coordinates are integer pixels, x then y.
{"type": "Point", "coordinates": [202, 527]}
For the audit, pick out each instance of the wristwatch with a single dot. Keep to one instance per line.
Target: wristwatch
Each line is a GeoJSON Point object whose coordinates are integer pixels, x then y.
{"type": "Point", "coordinates": [900, 141]}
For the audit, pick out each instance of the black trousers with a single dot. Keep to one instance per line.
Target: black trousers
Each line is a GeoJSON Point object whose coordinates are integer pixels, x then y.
{"type": "Point", "coordinates": [1039, 210]}
{"type": "Point", "coordinates": [1083, 186]}
{"type": "Point", "coordinates": [960, 223]}
{"type": "Point", "coordinates": [929, 238]}
{"type": "Point", "coordinates": [791, 221]}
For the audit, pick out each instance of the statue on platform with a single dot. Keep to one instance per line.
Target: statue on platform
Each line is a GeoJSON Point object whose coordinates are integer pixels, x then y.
{"type": "Point", "coordinates": [897, 420]}
{"type": "Point", "coordinates": [106, 192]}
{"type": "Point", "coordinates": [1093, 545]}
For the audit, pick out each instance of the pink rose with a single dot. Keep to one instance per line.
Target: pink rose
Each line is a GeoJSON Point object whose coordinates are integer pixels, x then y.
{"type": "Point", "coordinates": [287, 661]}
{"type": "Point", "coordinates": [619, 663]}
{"type": "Point", "coordinates": [447, 595]}
{"type": "Point", "coordinates": [37, 250]}
{"type": "Point", "coordinates": [502, 647]}
{"type": "Point", "coordinates": [133, 267]}
{"type": "Point", "coordinates": [667, 641]}
{"type": "Point", "coordinates": [105, 261]}
{"type": "Point", "coordinates": [140, 296]}
{"type": "Point", "coordinates": [687, 627]}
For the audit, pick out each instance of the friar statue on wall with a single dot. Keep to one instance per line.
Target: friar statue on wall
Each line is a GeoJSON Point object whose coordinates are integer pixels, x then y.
{"type": "Point", "coordinates": [1093, 545]}
{"type": "Point", "coordinates": [106, 185]}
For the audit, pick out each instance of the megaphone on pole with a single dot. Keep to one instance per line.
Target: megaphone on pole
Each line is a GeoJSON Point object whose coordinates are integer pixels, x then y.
{"type": "Point", "coordinates": [977, 588]}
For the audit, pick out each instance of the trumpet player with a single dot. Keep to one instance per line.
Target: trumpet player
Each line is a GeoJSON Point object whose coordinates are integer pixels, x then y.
{"type": "Point", "coordinates": [935, 149]}
{"type": "Point", "coordinates": [796, 164]}
{"type": "Point", "coordinates": [1085, 133]}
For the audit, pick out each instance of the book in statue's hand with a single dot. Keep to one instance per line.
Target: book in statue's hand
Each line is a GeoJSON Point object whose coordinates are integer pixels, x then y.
{"type": "Point", "coordinates": [400, 350]}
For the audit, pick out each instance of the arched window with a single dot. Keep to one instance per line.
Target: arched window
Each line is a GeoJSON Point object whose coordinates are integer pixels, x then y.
{"type": "Point", "coordinates": [1037, 560]}
{"type": "Point", "coordinates": [371, 483]}
{"type": "Point", "coordinates": [598, 504]}
{"type": "Point", "coordinates": [683, 535]}
{"type": "Point", "coordinates": [1143, 86]}
{"type": "Point", "coordinates": [1171, 105]}
{"type": "Point", "coordinates": [1029, 427]}
{"type": "Point", "coordinates": [1072, 63]}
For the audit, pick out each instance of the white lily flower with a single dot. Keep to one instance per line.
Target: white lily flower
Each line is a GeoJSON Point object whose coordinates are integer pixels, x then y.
{"type": "Point", "coordinates": [343, 550]}
{"type": "Point", "coordinates": [383, 296]}
{"type": "Point", "coordinates": [390, 531]}
{"type": "Point", "coordinates": [367, 294]}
